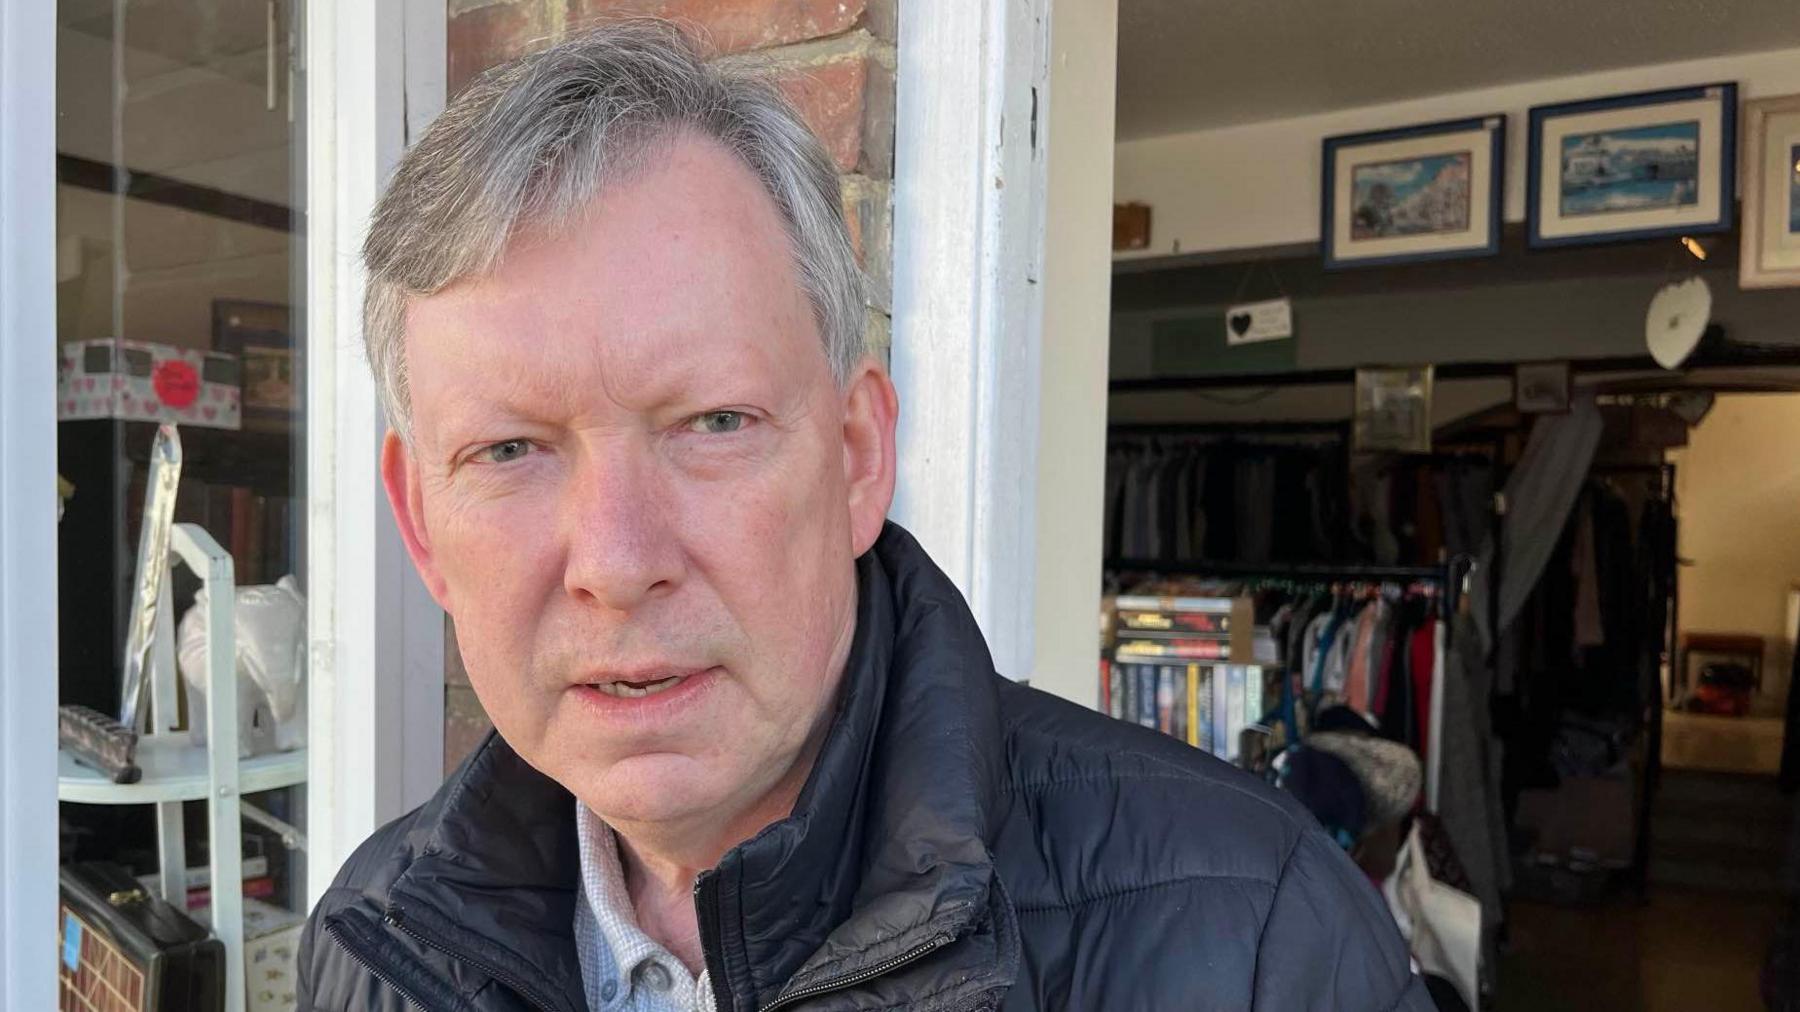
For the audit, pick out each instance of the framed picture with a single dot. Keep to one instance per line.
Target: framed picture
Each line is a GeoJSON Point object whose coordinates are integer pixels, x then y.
{"type": "Point", "coordinates": [1541, 388]}
{"type": "Point", "coordinates": [1632, 166]}
{"type": "Point", "coordinates": [261, 336]}
{"type": "Point", "coordinates": [1426, 192]}
{"type": "Point", "coordinates": [1771, 233]}
{"type": "Point", "coordinates": [1393, 410]}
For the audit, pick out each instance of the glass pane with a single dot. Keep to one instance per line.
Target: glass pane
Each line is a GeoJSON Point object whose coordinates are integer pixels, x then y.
{"type": "Point", "coordinates": [179, 279]}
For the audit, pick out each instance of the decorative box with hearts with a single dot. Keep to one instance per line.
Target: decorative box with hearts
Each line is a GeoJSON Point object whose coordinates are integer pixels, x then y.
{"type": "Point", "coordinates": [142, 381]}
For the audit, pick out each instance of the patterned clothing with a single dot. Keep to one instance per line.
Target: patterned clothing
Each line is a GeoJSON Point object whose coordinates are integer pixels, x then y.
{"type": "Point", "coordinates": [623, 969]}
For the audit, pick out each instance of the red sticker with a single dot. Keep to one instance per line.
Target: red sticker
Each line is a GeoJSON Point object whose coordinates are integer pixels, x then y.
{"type": "Point", "coordinates": [176, 383]}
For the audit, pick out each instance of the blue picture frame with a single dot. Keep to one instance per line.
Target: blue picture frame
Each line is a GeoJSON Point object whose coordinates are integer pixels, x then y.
{"type": "Point", "coordinates": [1345, 156]}
{"type": "Point", "coordinates": [1633, 167]}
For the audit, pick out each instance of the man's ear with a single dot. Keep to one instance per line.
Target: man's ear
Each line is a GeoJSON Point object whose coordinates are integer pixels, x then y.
{"type": "Point", "coordinates": [400, 476]}
{"type": "Point", "coordinates": [870, 410]}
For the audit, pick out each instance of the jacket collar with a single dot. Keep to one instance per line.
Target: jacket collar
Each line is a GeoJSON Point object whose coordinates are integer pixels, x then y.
{"type": "Point", "coordinates": [886, 849]}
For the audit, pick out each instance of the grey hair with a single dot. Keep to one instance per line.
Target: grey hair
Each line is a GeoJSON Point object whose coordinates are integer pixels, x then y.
{"type": "Point", "coordinates": [532, 142]}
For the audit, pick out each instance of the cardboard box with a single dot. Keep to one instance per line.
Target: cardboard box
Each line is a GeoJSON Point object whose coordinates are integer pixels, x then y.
{"type": "Point", "coordinates": [271, 955]}
{"type": "Point", "coordinates": [140, 381]}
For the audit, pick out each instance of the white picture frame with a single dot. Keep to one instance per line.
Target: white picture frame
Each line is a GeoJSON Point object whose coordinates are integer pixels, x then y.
{"type": "Point", "coordinates": [1770, 254]}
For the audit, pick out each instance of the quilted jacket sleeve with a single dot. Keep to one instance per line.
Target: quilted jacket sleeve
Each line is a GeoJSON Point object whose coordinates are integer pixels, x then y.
{"type": "Point", "coordinates": [1329, 941]}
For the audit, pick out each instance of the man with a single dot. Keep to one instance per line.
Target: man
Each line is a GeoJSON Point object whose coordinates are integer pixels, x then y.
{"type": "Point", "coordinates": [751, 752]}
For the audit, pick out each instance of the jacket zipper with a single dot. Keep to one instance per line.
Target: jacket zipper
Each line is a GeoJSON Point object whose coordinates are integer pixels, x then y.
{"type": "Point", "coordinates": [706, 908]}
{"type": "Point", "coordinates": [886, 966]}
{"type": "Point", "coordinates": [393, 918]}
{"type": "Point", "coordinates": [337, 935]}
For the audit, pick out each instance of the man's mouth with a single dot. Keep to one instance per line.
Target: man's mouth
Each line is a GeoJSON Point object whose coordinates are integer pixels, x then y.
{"type": "Point", "coordinates": [637, 690]}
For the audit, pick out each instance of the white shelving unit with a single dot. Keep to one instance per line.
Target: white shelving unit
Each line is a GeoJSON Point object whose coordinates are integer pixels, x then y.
{"type": "Point", "coordinates": [176, 769]}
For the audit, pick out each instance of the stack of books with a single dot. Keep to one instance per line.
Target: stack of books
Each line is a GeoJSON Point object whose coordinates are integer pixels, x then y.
{"type": "Point", "coordinates": [1183, 666]}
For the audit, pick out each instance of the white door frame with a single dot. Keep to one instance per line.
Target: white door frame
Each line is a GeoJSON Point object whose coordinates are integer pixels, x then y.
{"type": "Point", "coordinates": [28, 837]}
{"type": "Point", "coordinates": [968, 252]}
{"type": "Point", "coordinates": [375, 76]}
{"type": "Point", "coordinates": [1001, 104]}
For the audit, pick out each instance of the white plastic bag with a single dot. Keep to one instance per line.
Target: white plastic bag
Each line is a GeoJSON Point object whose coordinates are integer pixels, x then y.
{"type": "Point", "coordinates": [1444, 922]}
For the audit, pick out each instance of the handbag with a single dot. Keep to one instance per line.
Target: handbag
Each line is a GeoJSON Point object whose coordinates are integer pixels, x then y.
{"type": "Point", "coordinates": [125, 950]}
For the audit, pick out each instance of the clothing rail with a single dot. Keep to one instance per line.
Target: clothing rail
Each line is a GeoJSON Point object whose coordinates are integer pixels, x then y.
{"type": "Point", "coordinates": [1451, 577]}
{"type": "Point", "coordinates": [1346, 573]}
{"type": "Point", "coordinates": [1335, 427]}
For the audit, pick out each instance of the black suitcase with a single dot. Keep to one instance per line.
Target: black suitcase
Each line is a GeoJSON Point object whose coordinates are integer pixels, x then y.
{"type": "Point", "coordinates": [125, 950]}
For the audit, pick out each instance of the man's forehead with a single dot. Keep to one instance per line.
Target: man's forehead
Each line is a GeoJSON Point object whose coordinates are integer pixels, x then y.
{"type": "Point", "coordinates": [682, 272]}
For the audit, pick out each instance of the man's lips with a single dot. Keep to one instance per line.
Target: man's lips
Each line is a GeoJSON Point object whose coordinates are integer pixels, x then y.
{"type": "Point", "coordinates": [640, 683]}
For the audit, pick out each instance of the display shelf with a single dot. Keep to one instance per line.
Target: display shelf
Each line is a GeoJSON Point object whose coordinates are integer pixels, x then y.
{"type": "Point", "coordinates": [173, 771]}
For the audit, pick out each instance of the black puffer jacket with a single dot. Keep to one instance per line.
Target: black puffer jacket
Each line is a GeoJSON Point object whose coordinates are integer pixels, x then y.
{"type": "Point", "coordinates": [963, 843]}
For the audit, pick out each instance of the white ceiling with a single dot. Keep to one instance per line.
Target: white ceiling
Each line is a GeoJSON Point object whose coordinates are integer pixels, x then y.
{"type": "Point", "coordinates": [1194, 64]}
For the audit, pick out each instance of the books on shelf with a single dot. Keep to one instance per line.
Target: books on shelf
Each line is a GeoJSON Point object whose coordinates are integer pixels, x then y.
{"type": "Point", "coordinates": [1202, 650]}
{"type": "Point", "coordinates": [1204, 704]}
{"type": "Point", "coordinates": [1174, 624]}
{"type": "Point", "coordinates": [1192, 605]}
{"type": "Point", "coordinates": [1185, 666]}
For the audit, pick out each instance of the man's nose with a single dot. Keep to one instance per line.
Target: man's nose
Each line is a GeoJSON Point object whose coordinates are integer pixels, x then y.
{"type": "Point", "coordinates": [622, 545]}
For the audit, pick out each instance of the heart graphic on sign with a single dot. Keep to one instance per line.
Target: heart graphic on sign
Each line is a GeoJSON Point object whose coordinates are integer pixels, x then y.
{"type": "Point", "coordinates": [87, 383]}
{"type": "Point", "coordinates": [69, 407]}
{"type": "Point", "coordinates": [209, 411]}
{"type": "Point", "coordinates": [1240, 324]}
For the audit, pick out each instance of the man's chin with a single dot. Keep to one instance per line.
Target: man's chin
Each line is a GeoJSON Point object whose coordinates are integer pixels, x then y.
{"type": "Point", "coordinates": [652, 788]}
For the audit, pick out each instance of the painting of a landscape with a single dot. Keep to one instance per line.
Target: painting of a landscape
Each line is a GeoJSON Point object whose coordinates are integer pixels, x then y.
{"type": "Point", "coordinates": [1635, 169]}
{"type": "Point", "coordinates": [1413, 196]}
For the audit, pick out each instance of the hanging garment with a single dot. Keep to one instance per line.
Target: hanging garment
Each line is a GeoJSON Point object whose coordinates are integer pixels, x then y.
{"type": "Point", "coordinates": [1221, 505]}
{"type": "Point", "coordinates": [1421, 651]}
{"type": "Point", "coordinates": [1539, 494]}
{"type": "Point", "coordinates": [1255, 495]}
{"type": "Point", "coordinates": [1466, 496]}
{"type": "Point", "coordinates": [1590, 631]}
{"type": "Point", "coordinates": [1469, 779]}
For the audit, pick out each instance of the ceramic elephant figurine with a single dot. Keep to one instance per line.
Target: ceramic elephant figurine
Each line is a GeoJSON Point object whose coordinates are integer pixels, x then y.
{"type": "Point", "coordinates": [271, 666]}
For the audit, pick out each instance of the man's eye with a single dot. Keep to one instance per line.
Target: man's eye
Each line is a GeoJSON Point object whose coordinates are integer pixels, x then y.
{"type": "Point", "coordinates": [502, 453]}
{"type": "Point", "coordinates": [717, 422]}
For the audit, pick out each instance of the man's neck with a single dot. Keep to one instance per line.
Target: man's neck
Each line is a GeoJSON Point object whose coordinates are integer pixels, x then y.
{"type": "Point", "coordinates": [661, 862]}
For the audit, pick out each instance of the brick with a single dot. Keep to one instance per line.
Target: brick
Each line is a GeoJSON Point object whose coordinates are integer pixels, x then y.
{"type": "Point", "coordinates": [878, 336]}
{"type": "Point", "coordinates": [882, 19]}
{"type": "Point", "coordinates": [829, 83]}
{"type": "Point", "coordinates": [481, 37]}
{"type": "Point", "coordinates": [878, 117]}
{"type": "Point", "coordinates": [868, 210]}
{"type": "Point", "coordinates": [465, 725]}
{"type": "Point", "coordinates": [455, 7]}
{"type": "Point", "coordinates": [735, 26]}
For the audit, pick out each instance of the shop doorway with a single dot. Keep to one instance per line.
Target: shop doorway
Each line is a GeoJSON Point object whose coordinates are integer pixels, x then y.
{"type": "Point", "coordinates": [1563, 546]}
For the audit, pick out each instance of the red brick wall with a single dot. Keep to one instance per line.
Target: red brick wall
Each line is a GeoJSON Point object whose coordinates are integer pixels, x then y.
{"type": "Point", "coordinates": [833, 58]}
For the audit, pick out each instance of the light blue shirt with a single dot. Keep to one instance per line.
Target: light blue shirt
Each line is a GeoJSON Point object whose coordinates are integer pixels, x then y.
{"type": "Point", "coordinates": [623, 969]}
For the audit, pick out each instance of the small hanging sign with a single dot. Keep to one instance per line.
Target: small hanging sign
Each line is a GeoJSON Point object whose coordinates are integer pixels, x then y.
{"type": "Point", "coordinates": [1254, 322]}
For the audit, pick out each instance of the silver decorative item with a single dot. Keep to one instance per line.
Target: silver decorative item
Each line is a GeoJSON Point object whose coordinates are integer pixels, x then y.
{"type": "Point", "coordinates": [152, 567]}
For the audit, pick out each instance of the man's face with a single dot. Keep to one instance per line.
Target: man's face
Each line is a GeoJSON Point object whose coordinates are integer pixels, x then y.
{"type": "Point", "coordinates": [638, 490]}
